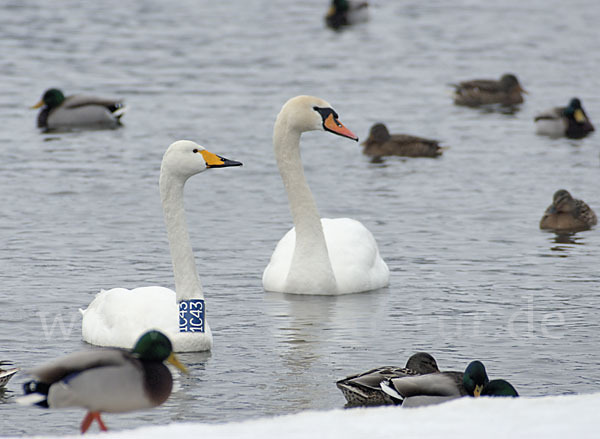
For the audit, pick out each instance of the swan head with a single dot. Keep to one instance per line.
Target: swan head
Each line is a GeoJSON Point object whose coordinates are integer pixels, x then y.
{"type": "Point", "coordinates": [185, 158]}
{"type": "Point", "coordinates": [309, 113]}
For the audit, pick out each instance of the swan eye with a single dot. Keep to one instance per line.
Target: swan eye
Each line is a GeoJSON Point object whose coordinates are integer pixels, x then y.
{"type": "Point", "coordinates": [195, 150]}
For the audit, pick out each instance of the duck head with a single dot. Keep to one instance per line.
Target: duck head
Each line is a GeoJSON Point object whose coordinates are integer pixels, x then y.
{"type": "Point", "coordinates": [156, 346]}
{"type": "Point", "coordinates": [475, 378]}
{"type": "Point", "coordinates": [499, 388]}
{"type": "Point", "coordinates": [52, 98]}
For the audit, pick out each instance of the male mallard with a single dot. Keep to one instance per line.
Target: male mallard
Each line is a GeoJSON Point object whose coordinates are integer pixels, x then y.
{"type": "Point", "coordinates": [437, 387]}
{"type": "Point", "coordinates": [499, 388]}
{"type": "Point", "coordinates": [566, 213]}
{"type": "Point", "coordinates": [107, 380]}
{"type": "Point", "coordinates": [77, 111]}
{"type": "Point", "coordinates": [506, 91]}
{"type": "Point", "coordinates": [363, 389]}
{"type": "Point", "coordinates": [570, 121]}
{"type": "Point", "coordinates": [346, 12]}
{"type": "Point", "coordinates": [6, 374]}
{"type": "Point", "coordinates": [380, 143]}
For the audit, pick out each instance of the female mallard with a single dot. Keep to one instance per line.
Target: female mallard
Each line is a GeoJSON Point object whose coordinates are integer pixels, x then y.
{"type": "Point", "coordinates": [346, 12]}
{"type": "Point", "coordinates": [380, 143]}
{"type": "Point", "coordinates": [107, 380]}
{"type": "Point", "coordinates": [570, 121]}
{"type": "Point", "coordinates": [363, 389]}
{"type": "Point", "coordinates": [77, 111]}
{"type": "Point", "coordinates": [506, 91]}
{"type": "Point", "coordinates": [568, 214]}
{"type": "Point", "coordinates": [6, 374]}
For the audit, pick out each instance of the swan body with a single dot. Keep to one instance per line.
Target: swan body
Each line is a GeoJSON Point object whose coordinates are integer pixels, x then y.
{"type": "Point", "coordinates": [106, 380]}
{"type": "Point", "coordinates": [117, 317]}
{"type": "Point", "coordinates": [78, 111]}
{"type": "Point", "coordinates": [317, 256]}
{"type": "Point", "coordinates": [570, 121]}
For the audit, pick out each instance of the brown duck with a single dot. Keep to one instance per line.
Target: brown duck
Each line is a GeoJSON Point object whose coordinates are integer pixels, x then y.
{"type": "Point", "coordinates": [381, 143]}
{"type": "Point", "coordinates": [568, 214]}
{"type": "Point", "coordinates": [505, 91]}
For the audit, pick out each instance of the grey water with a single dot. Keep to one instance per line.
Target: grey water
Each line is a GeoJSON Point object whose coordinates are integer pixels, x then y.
{"type": "Point", "coordinates": [472, 276]}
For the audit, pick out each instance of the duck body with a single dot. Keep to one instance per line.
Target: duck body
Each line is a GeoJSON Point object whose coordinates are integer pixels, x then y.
{"type": "Point", "coordinates": [437, 387]}
{"type": "Point", "coordinates": [106, 380]}
{"type": "Point", "coordinates": [568, 214]}
{"type": "Point", "coordinates": [78, 112]}
{"type": "Point", "coordinates": [570, 121]}
{"type": "Point", "coordinates": [6, 374]}
{"type": "Point", "coordinates": [317, 256]}
{"type": "Point", "coordinates": [364, 389]}
{"type": "Point", "coordinates": [346, 12]}
{"type": "Point", "coordinates": [380, 144]}
{"type": "Point", "coordinates": [505, 91]}
{"type": "Point", "coordinates": [118, 316]}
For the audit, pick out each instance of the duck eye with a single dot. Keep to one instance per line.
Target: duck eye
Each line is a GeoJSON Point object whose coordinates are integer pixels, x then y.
{"type": "Point", "coordinates": [195, 150]}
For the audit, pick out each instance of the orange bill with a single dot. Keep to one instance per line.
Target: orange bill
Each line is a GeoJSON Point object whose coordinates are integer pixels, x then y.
{"type": "Point", "coordinates": [335, 126]}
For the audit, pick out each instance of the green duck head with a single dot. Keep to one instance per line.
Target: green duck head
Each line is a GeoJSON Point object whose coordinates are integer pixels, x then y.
{"type": "Point", "coordinates": [475, 378]}
{"type": "Point", "coordinates": [499, 388]}
{"type": "Point", "coordinates": [156, 346]}
{"type": "Point", "coordinates": [52, 98]}
{"type": "Point", "coordinates": [575, 111]}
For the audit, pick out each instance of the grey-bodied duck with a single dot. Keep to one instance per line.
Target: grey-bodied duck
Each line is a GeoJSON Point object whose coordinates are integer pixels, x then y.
{"type": "Point", "coordinates": [106, 380]}
{"type": "Point", "coordinates": [570, 121]}
{"type": "Point", "coordinates": [364, 389]}
{"type": "Point", "coordinates": [381, 143]}
{"type": "Point", "coordinates": [505, 91]}
{"type": "Point", "coordinates": [568, 214]}
{"type": "Point", "coordinates": [77, 112]}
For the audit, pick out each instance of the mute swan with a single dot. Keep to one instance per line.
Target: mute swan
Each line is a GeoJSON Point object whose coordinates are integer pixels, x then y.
{"type": "Point", "coordinates": [106, 380]}
{"type": "Point", "coordinates": [317, 256]}
{"type": "Point", "coordinates": [568, 214]}
{"type": "Point", "coordinates": [570, 121]}
{"type": "Point", "coordinates": [77, 111]}
{"type": "Point", "coordinates": [381, 143]}
{"type": "Point", "coordinates": [117, 317]}
{"type": "Point", "coordinates": [506, 91]}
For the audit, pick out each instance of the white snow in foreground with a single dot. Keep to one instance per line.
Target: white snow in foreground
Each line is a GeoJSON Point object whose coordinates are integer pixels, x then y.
{"type": "Point", "coordinates": [573, 416]}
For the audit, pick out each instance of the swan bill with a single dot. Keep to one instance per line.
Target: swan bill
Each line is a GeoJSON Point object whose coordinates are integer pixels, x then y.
{"type": "Point", "coordinates": [333, 125]}
{"type": "Point", "coordinates": [215, 161]}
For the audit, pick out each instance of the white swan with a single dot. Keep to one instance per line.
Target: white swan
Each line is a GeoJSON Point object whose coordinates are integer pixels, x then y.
{"type": "Point", "coordinates": [317, 256]}
{"type": "Point", "coordinates": [118, 317]}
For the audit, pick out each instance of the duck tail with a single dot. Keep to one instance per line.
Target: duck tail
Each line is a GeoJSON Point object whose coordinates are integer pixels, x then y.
{"type": "Point", "coordinates": [387, 388]}
{"type": "Point", "coordinates": [36, 393]}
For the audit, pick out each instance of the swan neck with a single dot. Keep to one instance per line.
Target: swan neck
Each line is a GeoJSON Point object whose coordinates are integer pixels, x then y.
{"type": "Point", "coordinates": [187, 282]}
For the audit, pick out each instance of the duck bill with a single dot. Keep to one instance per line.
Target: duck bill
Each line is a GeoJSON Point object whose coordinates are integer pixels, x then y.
{"type": "Point", "coordinates": [38, 105]}
{"type": "Point", "coordinates": [333, 125]}
{"type": "Point", "coordinates": [216, 161]}
{"type": "Point", "coordinates": [477, 391]}
{"type": "Point", "coordinates": [522, 90]}
{"type": "Point", "coordinates": [579, 116]}
{"type": "Point", "coordinates": [175, 362]}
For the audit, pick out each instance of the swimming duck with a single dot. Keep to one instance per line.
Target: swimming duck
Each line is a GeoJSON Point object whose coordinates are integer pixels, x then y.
{"type": "Point", "coordinates": [570, 121]}
{"type": "Point", "coordinates": [118, 316]}
{"type": "Point", "coordinates": [346, 12]}
{"type": "Point", "coordinates": [106, 380]}
{"type": "Point", "coordinates": [505, 91]}
{"type": "Point", "coordinates": [317, 256]}
{"type": "Point", "coordinates": [380, 143]}
{"type": "Point", "coordinates": [363, 389]}
{"type": "Point", "coordinates": [6, 374]}
{"type": "Point", "coordinates": [566, 213]}
{"type": "Point", "coordinates": [77, 111]}
{"type": "Point", "coordinates": [437, 387]}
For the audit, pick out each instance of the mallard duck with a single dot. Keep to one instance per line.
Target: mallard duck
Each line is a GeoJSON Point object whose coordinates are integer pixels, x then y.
{"type": "Point", "coordinates": [570, 121]}
{"type": "Point", "coordinates": [499, 388]}
{"type": "Point", "coordinates": [106, 380]}
{"type": "Point", "coordinates": [505, 91]}
{"type": "Point", "coordinates": [346, 12]}
{"type": "Point", "coordinates": [363, 389]}
{"type": "Point", "coordinates": [77, 111]}
{"type": "Point", "coordinates": [380, 143]}
{"type": "Point", "coordinates": [567, 213]}
{"type": "Point", "coordinates": [6, 374]}
{"type": "Point", "coordinates": [439, 386]}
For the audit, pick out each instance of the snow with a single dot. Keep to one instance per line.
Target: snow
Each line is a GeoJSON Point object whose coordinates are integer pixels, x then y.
{"type": "Point", "coordinates": [572, 416]}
